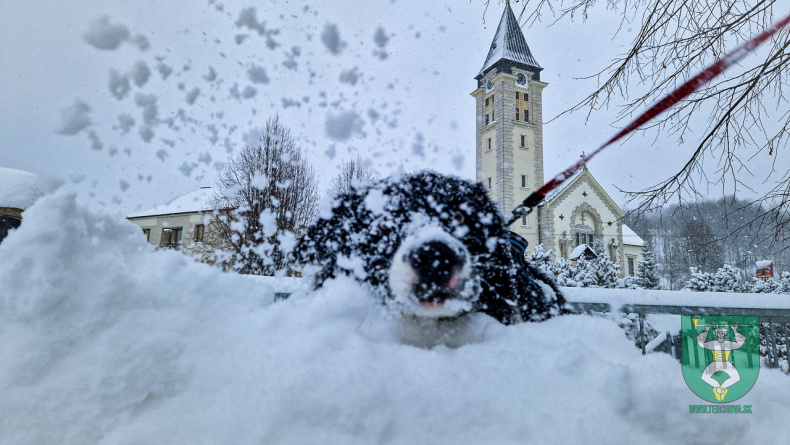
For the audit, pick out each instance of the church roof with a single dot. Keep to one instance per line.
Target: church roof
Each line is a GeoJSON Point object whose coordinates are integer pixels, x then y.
{"type": "Point", "coordinates": [631, 238]}
{"type": "Point", "coordinates": [509, 45]}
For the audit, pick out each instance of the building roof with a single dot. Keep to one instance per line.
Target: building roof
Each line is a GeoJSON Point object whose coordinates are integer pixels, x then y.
{"type": "Point", "coordinates": [509, 44]}
{"type": "Point", "coordinates": [631, 238]}
{"type": "Point", "coordinates": [582, 250]}
{"type": "Point", "coordinates": [193, 202]}
{"type": "Point", "coordinates": [18, 188]}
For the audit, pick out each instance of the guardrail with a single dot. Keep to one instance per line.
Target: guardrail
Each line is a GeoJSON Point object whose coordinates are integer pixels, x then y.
{"type": "Point", "coordinates": [769, 318]}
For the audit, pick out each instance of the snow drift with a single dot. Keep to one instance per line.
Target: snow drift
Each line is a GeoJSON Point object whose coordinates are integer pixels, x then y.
{"type": "Point", "coordinates": [105, 341]}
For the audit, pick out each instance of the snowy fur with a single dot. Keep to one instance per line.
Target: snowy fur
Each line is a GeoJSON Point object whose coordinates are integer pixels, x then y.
{"type": "Point", "coordinates": [370, 232]}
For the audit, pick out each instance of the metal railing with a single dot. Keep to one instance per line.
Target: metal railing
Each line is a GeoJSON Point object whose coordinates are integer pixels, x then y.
{"type": "Point", "coordinates": [768, 319]}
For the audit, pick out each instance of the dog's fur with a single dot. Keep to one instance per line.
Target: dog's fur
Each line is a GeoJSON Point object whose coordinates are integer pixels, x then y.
{"type": "Point", "coordinates": [430, 246]}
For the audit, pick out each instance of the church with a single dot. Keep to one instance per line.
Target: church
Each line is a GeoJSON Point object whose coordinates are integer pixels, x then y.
{"type": "Point", "coordinates": [509, 159]}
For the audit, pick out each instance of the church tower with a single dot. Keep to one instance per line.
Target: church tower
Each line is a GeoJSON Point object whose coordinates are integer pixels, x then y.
{"type": "Point", "coordinates": [508, 104]}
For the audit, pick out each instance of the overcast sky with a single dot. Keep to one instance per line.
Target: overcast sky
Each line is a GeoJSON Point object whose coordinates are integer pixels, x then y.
{"type": "Point", "coordinates": [390, 81]}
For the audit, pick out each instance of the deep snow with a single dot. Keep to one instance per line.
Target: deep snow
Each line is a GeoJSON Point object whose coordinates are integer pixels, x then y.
{"type": "Point", "coordinates": [105, 341]}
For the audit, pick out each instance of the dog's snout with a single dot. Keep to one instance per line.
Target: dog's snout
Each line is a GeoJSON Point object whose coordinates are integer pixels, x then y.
{"type": "Point", "coordinates": [435, 261]}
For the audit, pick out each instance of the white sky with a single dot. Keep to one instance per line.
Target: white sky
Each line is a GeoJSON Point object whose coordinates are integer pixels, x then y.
{"type": "Point", "coordinates": [420, 91]}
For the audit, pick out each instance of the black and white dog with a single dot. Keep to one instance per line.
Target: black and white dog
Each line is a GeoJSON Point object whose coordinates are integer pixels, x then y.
{"type": "Point", "coordinates": [432, 247]}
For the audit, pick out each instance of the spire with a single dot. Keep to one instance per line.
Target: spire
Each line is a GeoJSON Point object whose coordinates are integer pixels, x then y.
{"type": "Point", "coordinates": [509, 47]}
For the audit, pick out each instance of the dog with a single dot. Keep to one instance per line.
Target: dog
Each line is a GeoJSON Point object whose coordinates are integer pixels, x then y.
{"type": "Point", "coordinates": [430, 246]}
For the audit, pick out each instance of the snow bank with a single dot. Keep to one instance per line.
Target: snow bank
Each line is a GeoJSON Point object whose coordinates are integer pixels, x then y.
{"type": "Point", "coordinates": [106, 341]}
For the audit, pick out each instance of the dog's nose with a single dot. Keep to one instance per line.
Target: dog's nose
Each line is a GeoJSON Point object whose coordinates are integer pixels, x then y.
{"type": "Point", "coordinates": [435, 262]}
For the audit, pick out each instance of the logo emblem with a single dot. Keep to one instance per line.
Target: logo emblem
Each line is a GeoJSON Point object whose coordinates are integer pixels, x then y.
{"type": "Point", "coordinates": [720, 356]}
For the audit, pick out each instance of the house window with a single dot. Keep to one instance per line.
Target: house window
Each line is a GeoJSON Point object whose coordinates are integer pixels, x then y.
{"type": "Point", "coordinates": [631, 266]}
{"type": "Point", "coordinates": [526, 116]}
{"type": "Point", "coordinates": [147, 233]}
{"type": "Point", "coordinates": [199, 229]}
{"type": "Point", "coordinates": [523, 181]}
{"type": "Point", "coordinates": [516, 113]}
{"type": "Point", "coordinates": [486, 101]}
{"type": "Point", "coordinates": [516, 95]}
{"type": "Point", "coordinates": [523, 141]}
{"type": "Point", "coordinates": [486, 119]}
{"type": "Point", "coordinates": [171, 237]}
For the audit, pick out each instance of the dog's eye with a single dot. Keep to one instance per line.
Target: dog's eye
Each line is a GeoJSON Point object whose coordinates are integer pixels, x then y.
{"type": "Point", "coordinates": [459, 218]}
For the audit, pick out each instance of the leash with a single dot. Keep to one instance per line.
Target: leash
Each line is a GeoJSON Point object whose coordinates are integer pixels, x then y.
{"type": "Point", "coordinates": [708, 74]}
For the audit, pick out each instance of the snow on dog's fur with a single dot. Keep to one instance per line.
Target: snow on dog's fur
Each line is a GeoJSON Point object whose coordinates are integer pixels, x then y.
{"type": "Point", "coordinates": [429, 246]}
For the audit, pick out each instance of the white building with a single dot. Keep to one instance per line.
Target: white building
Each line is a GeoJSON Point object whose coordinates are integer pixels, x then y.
{"type": "Point", "coordinates": [509, 158]}
{"type": "Point", "coordinates": [179, 224]}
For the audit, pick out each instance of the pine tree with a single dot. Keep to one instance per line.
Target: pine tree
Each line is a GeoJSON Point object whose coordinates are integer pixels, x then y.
{"type": "Point", "coordinates": [563, 273]}
{"type": "Point", "coordinates": [784, 284]}
{"type": "Point", "coordinates": [647, 272]}
{"type": "Point", "coordinates": [597, 272]}
{"type": "Point", "coordinates": [541, 259]}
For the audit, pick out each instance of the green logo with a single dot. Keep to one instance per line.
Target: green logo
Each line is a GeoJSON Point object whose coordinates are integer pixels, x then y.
{"type": "Point", "coordinates": [721, 357]}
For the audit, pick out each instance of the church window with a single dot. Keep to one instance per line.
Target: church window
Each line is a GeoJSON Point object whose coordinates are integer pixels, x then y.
{"type": "Point", "coordinates": [489, 183]}
{"type": "Point", "coordinates": [584, 237]}
{"type": "Point", "coordinates": [516, 113]}
{"type": "Point", "coordinates": [523, 140]}
{"type": "Point", "coordinates": [526, 116]}
{"type": "Point", "coordinates": [488, 109]}
{"type": "Point", "coordinates": [516, 95]}
{"type": "Point", "coordinates": [523, 181]}
{"type": "Point", "coordinates": [489, 144]}
{"type": "Point", "coordinates": [523, 220]}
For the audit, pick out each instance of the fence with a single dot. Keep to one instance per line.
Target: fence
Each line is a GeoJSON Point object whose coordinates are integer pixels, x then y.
{"type": "Point", "coordinates": [771, 318]}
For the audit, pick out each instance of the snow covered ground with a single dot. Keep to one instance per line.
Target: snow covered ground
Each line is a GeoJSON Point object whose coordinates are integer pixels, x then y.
{"type": "Point", "coordinates": [103, 340]}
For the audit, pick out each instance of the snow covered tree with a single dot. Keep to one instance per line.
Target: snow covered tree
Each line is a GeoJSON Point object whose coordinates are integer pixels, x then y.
{"type": "Point", "coordinates": [673, 40]}
{"type": "Point", "coordinates": [726, 279]}
{"type": "Point", "coordinates": [542, 260]}
{"type": "Point", "coordinates": [647, 272]}
{"type": "Point", "coordinates": [354, 173]}
{"type": "Point", "coordinates": [273, 194]}
{"type": "Point", "coordinates": [597, 272]}
{"type": "Point", "coordinates": [563, 273]}
{"type": "Point", "coordinates": [784, 284]}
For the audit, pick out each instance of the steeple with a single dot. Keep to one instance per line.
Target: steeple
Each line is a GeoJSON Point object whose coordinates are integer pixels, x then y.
{"type": "Point", "coordinates": [509, 48]}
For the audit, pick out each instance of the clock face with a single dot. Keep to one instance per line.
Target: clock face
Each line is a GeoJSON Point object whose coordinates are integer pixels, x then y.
{"type": "Point", "coordinates": [489, 84]}
{"type": "Point", "coordinates": [521, 79]}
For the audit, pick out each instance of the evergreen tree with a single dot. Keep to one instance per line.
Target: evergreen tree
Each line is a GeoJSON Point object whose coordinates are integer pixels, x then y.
{"type": "Point", "coordinates": [542, 260]}
{"type": "Point", "coordinates": [563, 273]}
{"type": "Point", "coordinates": [726, 279]}
{"type": "Point", "coordinates": [647, 272]}
{"type": "Point", "coordinates": [597, 272]}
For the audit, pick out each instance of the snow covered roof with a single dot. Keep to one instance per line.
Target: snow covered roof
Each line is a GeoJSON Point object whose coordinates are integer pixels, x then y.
{"type": "Point", "coordinates": [509, 44]}
{"type": "Point", "coordinates": [193, 202]}
{"type": "Point", "coordinates": [582, 250]}
{"type": "Point", "coordinates": [556, 192]}
{"type": "Point", "coordinates": [18, 188]}
{"type": "Point", "coordinates": [631, 238]}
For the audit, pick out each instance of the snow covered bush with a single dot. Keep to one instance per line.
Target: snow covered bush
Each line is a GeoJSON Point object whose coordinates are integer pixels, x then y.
{"type": "Point", "coordinates": [726, 279]}
{"type": "Point", "coordinates": [596, 272]}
